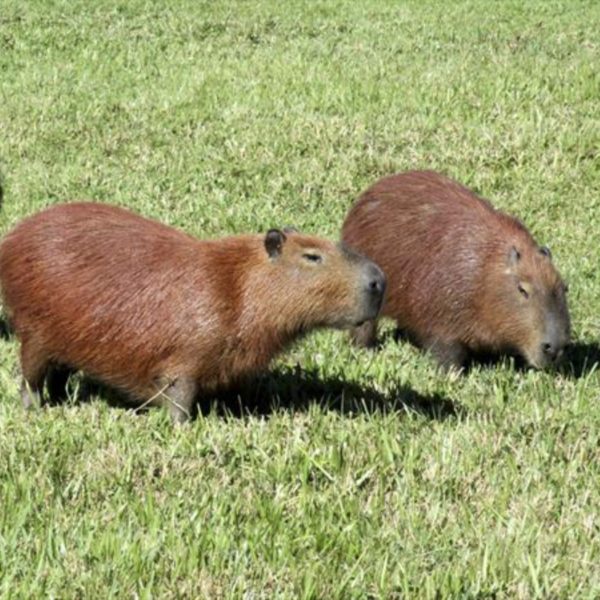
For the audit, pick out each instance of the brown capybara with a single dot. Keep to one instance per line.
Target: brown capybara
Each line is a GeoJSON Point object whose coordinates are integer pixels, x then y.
{"type": "Point", "coordinates": [463, 278]}
{"type": "Point", "coordinates": [160, 315]}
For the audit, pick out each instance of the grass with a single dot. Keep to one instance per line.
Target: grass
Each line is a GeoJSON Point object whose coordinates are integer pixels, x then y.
{"type": "Point", "coordinates": [343, 473]}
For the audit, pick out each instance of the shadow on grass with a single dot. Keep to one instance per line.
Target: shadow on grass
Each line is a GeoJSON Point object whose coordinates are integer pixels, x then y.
{"type": "Point", "coordinates": [580, 358]}
{"type": "Point", "coordinates": [5, 330]}
{"type": "Point", "coordinates": [294, 391]}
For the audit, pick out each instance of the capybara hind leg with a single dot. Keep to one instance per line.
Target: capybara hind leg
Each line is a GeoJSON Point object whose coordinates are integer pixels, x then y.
{"type": "Point", "coordinates": [365, 335]}
{"type": "Point", "coordinates": [449, 355]}
{"type": "Point", "coordinates": [179, 399]}
{"type": "Point", "coordinates": [33, 367]}
{"type": "Point", "coordinates": [56, 382]}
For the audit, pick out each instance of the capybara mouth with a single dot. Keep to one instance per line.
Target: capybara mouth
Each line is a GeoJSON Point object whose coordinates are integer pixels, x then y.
{"type": "Point", "coordinates": [376, 309]}
{"type": "Point", "coordinates": [543, 363]}
{"type": "Point", "coordinates": [370, 316]}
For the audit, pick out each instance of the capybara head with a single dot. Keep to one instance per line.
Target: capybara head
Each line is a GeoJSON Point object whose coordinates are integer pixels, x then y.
{"type": "Point", "coordinates": [338, 286]}
{"type": "Point", "coordinates": [530, 305]}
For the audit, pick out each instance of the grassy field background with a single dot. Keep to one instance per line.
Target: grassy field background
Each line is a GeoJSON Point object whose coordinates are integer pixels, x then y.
{"type": "Point", "coordinates": [344, 473]}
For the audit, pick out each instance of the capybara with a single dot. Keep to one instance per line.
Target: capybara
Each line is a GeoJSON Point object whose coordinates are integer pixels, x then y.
{"type": "Point", "coordinates": [161, 316]}
{"type": "Point", "coordinates": [464, 279]}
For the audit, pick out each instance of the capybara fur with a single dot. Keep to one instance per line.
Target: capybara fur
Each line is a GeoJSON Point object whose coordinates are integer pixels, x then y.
{"type": "Point", "coordinates": [464, 279]}
{"type": "Point", "coordinates": [162, 316]}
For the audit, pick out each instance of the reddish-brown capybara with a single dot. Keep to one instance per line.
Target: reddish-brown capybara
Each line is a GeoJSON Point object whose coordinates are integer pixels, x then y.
{"type": "Point", "coordinates": [160, 315]}
{"type": "Point", "coordinates": [463, 278]}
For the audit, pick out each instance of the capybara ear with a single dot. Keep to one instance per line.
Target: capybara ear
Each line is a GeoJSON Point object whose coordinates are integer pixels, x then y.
{"type": "Point", "coordinates": [546, 251]}
{"type": "Point", "coordinates": [274, 241]}
{"type": "Point", "coordinates": [289, 229]}
{"type": "Point", "coordinates": [514, 256]}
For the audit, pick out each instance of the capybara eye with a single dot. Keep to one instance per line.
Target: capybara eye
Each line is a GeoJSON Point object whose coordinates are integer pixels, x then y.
{"type": "Point", "coordinates": [311, 257]}
{"type": "Point", "coordinates": [523, 291]}
{"type": "Point", "coordinates": [546, 251]}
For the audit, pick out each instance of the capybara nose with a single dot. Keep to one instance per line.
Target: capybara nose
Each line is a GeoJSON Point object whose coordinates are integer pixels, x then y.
{"type": "Point", "coordinates": [377, 285]}
{"type": "Point", "coordinates": [551, 350]}
{"type": "Point", "coordinates": [376, 280]}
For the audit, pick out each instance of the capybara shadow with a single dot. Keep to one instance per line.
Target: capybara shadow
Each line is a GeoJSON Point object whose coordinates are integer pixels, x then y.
{"type": "Point", "coordinates": [64, 385]}
{"type": "Point", "coordinates": [2, 185]}
{"type": "Point", "coordinates": [290, 390]}
{"type": "Point", "coordinates": [472, 360]}
{"type": "Point", "coordinates": [296, 390]}
{"type": "Point", "coordinates": [5, 330]}
{"type": "Point", "coordinates": [580, 359]}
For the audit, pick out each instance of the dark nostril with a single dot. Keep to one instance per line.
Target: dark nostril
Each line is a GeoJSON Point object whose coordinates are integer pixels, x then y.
{"type": "Point", "coordinates": [550, 350]}
{"type": "Point", "coordinates": [375, 285]}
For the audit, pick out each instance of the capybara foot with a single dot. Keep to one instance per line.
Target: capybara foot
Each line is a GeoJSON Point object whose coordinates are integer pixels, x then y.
{"type": "Point", "coordinates": [179, 399]}
{"type": "Point", "coordinates": [30, 396]}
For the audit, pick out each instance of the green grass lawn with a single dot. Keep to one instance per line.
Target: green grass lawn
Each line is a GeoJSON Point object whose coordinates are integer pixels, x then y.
{"type": "Point", "coordinates": [343, 473]}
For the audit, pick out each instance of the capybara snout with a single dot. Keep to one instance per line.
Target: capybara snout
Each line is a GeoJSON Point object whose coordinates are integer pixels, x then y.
{"type": "Point", "coordinates": [549, 351]}
{"type": "Point", "coordinates": [554, 344]}
{"type": "Point", "coordinates": [374, 284]}
{"type": "Point", "coordinates": [162, 316]}
{"type": "Point", "coordinates": [554, 339]}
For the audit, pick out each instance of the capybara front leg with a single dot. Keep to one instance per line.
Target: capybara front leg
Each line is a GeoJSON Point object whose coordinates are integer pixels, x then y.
{"type": "Point", "coordinates": [31, 394]}
{"type": "Point", "coordinates": [365, 335]}
{"type": "Point", "coordinates": [450, 355]}
{"type": "Point", "coordinates": [34, 365]}
{"type": "Point", "coordinates": [179, 398]}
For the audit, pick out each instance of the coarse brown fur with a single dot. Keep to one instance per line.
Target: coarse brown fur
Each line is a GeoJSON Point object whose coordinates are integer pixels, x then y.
{"type": "Point", "coordinates": [161, 315]}
{"type": "Point", "coordinates": [462, 276]}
